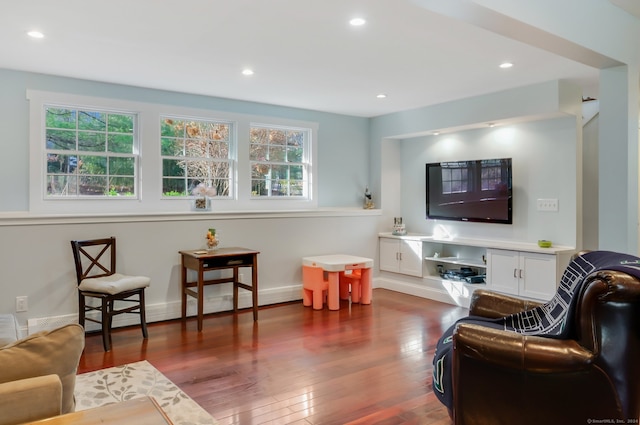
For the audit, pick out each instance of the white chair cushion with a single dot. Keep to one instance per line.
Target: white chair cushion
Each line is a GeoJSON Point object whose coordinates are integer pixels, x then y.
{"type": "Point", "coordinates": [114, 284]}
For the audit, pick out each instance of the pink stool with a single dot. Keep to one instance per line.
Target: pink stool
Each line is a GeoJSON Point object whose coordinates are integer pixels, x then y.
{"type": "Point", "coordinates": [350, 285]}
{"type": "Point", "coordinates": [326, 273]}
{"type": "Point", "coordinates": [315, 287]}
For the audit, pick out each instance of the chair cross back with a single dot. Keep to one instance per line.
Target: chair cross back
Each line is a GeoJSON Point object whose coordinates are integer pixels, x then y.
{"type": "Point", "coordinates": [97, 279]}
{"type": "Point", "coordinates": [95, 259]}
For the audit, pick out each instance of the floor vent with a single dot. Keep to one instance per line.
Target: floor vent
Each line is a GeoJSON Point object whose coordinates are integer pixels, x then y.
{"type": "Point", "coordinates": [49, 323]}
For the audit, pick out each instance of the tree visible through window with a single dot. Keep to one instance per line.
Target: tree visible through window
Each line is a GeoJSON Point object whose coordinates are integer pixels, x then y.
{"type": "Point", "coordinates": [90, 153]}
{"type": "Point", "coordinates": [279, 165]}
{"type": "Point", "coordinates": [195, 152]}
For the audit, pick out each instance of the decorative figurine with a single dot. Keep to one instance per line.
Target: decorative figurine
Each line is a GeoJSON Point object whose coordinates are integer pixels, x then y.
{"type": "Point", "coordinates": [212, 241]}
{"type": "Point", "coordinates": [368, 201]}
{"type": "Point", "coordinates": [398, 228]}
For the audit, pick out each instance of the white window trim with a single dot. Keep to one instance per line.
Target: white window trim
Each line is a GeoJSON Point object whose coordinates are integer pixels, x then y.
{"type": "Point", "coordinates": [150, 194]}
{"type": "Point", "coordinates": [309, 142]}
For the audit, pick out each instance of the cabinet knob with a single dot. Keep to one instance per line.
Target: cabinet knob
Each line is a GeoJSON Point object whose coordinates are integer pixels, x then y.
{"type": "Point", "coordinates": [515, 273]}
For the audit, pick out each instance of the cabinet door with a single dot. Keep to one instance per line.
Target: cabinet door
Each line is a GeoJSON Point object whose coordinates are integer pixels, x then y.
{"type": "Point", "coordinates": [389, 254]}
{"type": "Point", "coordinates": [411, 257]}
{"type": "Point", "coordinates": [538, 279]}
{"type": "Point", "coordinates": [502, 271]}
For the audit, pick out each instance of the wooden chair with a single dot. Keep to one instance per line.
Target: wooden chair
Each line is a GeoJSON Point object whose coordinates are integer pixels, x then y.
{"type": "Point", "coordinates": [95, 262]}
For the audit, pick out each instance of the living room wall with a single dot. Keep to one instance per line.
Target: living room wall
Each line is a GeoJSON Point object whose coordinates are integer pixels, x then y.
{"type": "Point", "coordinates": [536, 174]}
{"type": "Point", "coordinates": [37, 261]}
{"type": "Point", "coordinates": [539, 126]}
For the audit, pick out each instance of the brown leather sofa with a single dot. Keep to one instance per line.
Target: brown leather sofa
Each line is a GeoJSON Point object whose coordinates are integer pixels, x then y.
{"type": "Point", "coordinates": [593, 377]}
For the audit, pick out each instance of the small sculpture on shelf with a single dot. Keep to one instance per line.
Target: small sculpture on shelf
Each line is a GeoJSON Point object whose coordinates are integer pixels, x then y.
{"type": "Point", "coordinates": [398, 227]}
{"type": "Point", "coordinates": [203, 194]}
{"type": "Point", "coordinates": [212, 240]}
{"type": "Point", "coordinates": [368, 201]}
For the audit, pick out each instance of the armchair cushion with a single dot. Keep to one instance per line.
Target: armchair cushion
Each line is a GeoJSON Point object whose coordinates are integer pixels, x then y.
{"type": "Point", "coordinates": [44, 353]}
{"type": "Point", "coordinates": [30, 399]}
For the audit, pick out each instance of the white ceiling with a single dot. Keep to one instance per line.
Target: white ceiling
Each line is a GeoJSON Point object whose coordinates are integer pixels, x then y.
{"type": "Point", "coordinates": [304, 52]}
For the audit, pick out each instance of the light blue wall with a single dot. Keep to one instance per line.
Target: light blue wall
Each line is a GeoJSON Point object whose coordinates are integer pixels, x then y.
{"type": "Point", "coordinates": [544, 140]}
{"type": "Point", "coordinates": [343, 145]}
{"type": "Point", "coordinates": [539, 150]}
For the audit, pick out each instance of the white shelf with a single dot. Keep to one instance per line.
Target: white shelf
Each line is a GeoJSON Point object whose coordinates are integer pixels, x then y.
{"type": "Point", "coordinates": [458, 261]}
{"type": "Point", "coordinates": [485, 243]}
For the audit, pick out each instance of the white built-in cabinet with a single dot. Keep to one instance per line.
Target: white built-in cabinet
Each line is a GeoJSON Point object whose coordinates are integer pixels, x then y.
{"type": "Point", "coordinates": [519, 269]}
{"type": "Point", "coordinates": [525, 274]}
{"type": "Point", "coordinates": [401, 256]}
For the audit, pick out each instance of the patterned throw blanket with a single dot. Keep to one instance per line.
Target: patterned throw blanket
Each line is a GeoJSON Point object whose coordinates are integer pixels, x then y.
{"type": "Point", "coordinates": [548, 320]}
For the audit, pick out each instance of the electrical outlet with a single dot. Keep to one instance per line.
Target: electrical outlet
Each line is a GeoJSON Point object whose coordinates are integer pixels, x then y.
{"type": "Point", "coordinates": [547, 205]}
{"type": "Point", "coordinates": [21, 304]}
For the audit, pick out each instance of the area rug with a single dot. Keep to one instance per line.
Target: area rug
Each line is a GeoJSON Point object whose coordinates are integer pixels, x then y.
{"type": "Point", "coordinates": [136, 380]}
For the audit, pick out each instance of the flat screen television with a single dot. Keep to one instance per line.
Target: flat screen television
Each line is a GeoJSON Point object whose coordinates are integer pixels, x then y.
{"type": "Point", "coordinates": [477, 190]}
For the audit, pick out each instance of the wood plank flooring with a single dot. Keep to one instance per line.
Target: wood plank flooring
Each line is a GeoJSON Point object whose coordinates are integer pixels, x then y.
{"type": "Point", "coordinates": [363, 364]}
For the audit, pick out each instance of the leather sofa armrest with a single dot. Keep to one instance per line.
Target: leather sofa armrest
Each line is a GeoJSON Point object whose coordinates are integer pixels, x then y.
{"type": "Point", "coordinates": [30, 399]}
{"type": "Point", "coordinates": [511, 350]}
{"type": "Point", "coordinates": [493, 305]}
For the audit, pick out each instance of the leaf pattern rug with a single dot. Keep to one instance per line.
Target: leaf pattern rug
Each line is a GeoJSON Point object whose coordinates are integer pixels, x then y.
{"type": "Point", "coordinates": [135, 380]}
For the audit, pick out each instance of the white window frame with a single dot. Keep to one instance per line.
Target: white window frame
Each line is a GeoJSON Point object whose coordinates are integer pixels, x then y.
{"type": "Point", "coordinates": [305, 163]}
{"type": "Point", "coordinates": [231, 160]}
{"type": "Point", "coordinates": [79, 153]}
{"type": "Point", "coordinates": [150, 199]}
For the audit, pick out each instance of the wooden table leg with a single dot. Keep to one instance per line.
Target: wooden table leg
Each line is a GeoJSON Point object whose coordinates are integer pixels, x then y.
{"type": "Point", "coordinates": [200, 296]}
{"type": "Point", "coordinates": [254, 287]}
{"type": "Point", "coordinates": [235, 289]}
{"type": "Point", "coordinates": [183, 279]}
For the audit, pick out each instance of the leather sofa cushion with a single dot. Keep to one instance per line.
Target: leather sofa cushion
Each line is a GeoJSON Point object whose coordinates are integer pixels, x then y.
{"type": "Point", "coordinates": [48, 352]}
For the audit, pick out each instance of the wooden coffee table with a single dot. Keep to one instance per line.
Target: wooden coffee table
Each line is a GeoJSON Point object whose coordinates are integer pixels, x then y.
{"type": "Point", "coordinates": [139, 411]}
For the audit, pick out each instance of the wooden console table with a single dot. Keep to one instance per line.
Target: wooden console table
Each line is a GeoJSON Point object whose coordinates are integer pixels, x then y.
{"type": "Point", "coordinates": [219, 259]}
{"type": "Point", "coordinates": [139, 411]}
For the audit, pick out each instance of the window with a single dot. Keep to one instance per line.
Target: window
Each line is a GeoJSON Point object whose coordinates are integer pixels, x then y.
{"type": "Point", "coordinates": [115, 156]}
{"type": "Point", "coordinates": [279, 162]}
{"type": "Point", "coordinates": [89, 153]}
{"type": "Point", "coordinates": [455, 177]}
{"type": "Point", "coordinates": [195, 152]}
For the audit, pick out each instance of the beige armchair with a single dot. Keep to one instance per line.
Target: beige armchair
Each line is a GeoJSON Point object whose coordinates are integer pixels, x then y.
{"type": "Point", "coordinates": [38, 375]}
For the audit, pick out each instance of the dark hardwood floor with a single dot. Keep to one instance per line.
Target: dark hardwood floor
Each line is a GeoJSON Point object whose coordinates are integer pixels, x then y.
{"type": "Point", "coordinates": [363, 364]}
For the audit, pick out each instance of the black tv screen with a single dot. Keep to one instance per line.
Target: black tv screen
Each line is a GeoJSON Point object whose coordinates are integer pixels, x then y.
{"type": "Point", "coordinates": [477, 190]}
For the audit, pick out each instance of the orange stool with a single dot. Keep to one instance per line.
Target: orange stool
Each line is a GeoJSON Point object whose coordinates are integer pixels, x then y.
{"type": "Point", "coordinates": [315, 287]}
{"type": "Point", "coordinates": [350, 285]}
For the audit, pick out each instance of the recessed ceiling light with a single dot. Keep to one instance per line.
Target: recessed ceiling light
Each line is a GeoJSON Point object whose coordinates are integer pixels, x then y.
{"type": "Point", "coordinates": [435, 133]}
{"type": "Point", "coordinates": [491, 124]}
{"type": "Point", "coordinates": [35, 34]}
{"type": "Point", "coordinates": [381, 96]}
{"type": "Point", "coordinates": [247, 71]}
{"type": "Point", "coordinates": [506, 65]}
{"type": "Point", "coordinates": [356, 22]}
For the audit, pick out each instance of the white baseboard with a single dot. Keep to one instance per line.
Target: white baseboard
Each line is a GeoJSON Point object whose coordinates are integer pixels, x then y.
{"type": "Point", "coordinates": [172, 310]}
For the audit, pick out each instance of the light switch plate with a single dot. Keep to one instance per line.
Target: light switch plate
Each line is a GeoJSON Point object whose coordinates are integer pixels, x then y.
{"type": "Point", "coordinates": [547, 204]}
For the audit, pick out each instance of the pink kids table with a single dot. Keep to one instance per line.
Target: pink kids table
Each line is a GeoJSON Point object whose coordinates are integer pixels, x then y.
{"type": "Point", "coordinates": [322, 273]}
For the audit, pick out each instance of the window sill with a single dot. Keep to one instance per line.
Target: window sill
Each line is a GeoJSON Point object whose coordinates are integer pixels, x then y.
{"type": "Point", "coordinates": [26, 218]}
